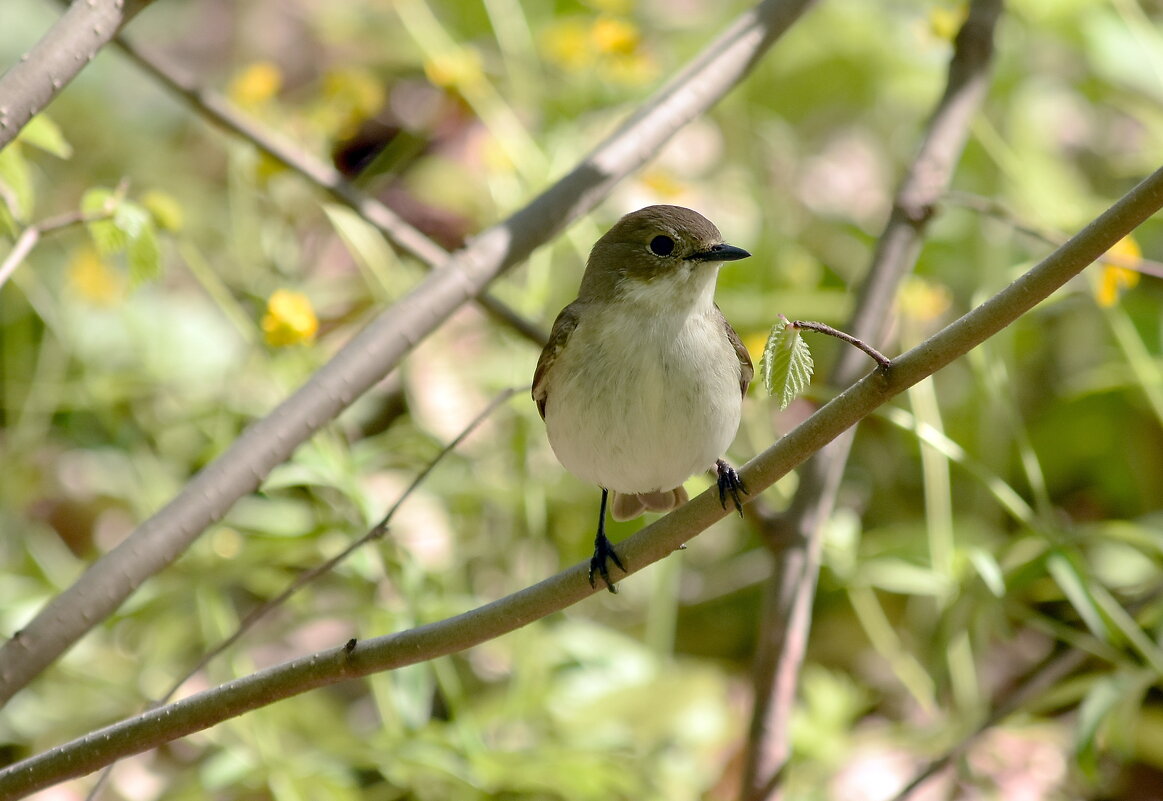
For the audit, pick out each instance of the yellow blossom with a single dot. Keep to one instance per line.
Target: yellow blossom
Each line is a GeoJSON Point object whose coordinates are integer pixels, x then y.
{"type": "Point", "coordinates": [289, 320]}
{"type": "Point", "coordinates": [630, 69]}
{"type": "Point", "coordinates": [614, 35]}
{"type": "Point", "coordinates": [350, 97]}
{"type": "Point", "coordinates": [455, 70]}
{"type": "Point", "coordinates": [267, 167]}
{"type": "Point", "coordinates": [946, 21]}
{"type": "Point", "coordinates": [566, 43]}
{"type": "Point", "coordinates": [755, 343]}
{"type": "Point", "coordinates": [93, 279]}
{"type": "Point", "coordinates": [1118, 271]}
{"type": "Point", "coordinates": [255, 84]}
{"type": "Point", "coordinates": [662, 183]}
{"type": "Point", "coordinates": [923, 301]}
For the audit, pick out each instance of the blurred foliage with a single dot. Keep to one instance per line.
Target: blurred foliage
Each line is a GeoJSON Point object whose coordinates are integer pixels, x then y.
{"type": "Point", "coordinates": [1011, 507]}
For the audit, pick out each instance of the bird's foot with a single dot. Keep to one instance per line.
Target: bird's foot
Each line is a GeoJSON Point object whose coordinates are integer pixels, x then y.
{"type": "Point", "coordinates": [604, 553]}
{"type": "Point", "coordinates": [730, 482]}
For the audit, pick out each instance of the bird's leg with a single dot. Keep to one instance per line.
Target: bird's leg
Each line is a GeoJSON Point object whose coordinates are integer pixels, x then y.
{"type": "Point", "coordinates": [729, 482]}
{"type": "Point", "coordinates": [604, 551]}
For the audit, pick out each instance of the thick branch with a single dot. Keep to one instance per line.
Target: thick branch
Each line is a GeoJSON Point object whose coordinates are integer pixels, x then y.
{"type": "Point", "coordinates": [31, 83]}
{"type": "Point", "coordinates": [649, 545]}
{"type": "Point", "coordinates": [796, 539]}
{"type": "Point", "coordinates": [380, 347]}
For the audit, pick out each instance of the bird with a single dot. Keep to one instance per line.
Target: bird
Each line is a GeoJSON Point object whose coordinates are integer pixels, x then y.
{"type": "Point", "coordinates": [641, 383]}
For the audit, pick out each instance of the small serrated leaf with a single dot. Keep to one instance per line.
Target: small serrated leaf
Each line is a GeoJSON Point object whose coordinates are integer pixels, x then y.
{"type": "Point", "coordinates": [786, 366]}
{"type": "Point", "coordinates": [132, 219]}
{"type": "Point", "coordinates": [107, 237]}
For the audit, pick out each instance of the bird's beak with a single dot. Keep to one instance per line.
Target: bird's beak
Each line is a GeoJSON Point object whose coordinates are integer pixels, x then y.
{"type": "Point", "coordinates": [720, 252]}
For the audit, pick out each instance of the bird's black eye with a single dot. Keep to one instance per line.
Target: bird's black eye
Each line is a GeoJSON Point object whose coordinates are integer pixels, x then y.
{"type": "Point", "coordinates": [662, 245]}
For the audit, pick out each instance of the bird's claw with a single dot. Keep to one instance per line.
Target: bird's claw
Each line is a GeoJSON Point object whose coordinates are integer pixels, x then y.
{"type": "Point", "coordinates": [730, 482]}
{"type": "Point", "coordinates": [604, 553]}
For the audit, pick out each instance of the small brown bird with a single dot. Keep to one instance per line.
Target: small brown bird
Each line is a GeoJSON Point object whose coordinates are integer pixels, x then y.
{"type": "Point", "coordinates": [641, 385]}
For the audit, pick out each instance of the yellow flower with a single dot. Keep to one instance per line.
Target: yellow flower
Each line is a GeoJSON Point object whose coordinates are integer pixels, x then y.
{"type": "Point", "coordinates": [612, 35]}
{"type": "Point", "coordinates": [566, 43]}
{"type": "Point", "coordinates": [1118, 271]}
{"type": "Point", "coordinates": [630, 69]}
{"type": "Point", "coordinates": [923, 301]}
{"type": "Point", "coordinates": [93, 279]}
{"type": "Point", "coordinates": [755, 343]}
{"type": "Point", "coordinates": [456, 69]}
{"type": "Point", "coordinates": [290, 319]}
{"type": "Point", "coordinates": [255, 84]}
{"type": "Point", "coordinates": [267, 167]}
{"type": "Point", "coordinates": [351, 96]}
{"type": "Point", "coordinates": [946, 21]}
{"type": "Point", "coordinates": [662, 183]}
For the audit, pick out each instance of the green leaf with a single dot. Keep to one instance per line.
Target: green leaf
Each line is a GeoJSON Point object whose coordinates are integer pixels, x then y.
{"type": "Point", "coordinates": [140, 233]}
{"type": "Point", "coordinates": [132, 219]}
{"type": "Point", "coordinates": [786, 366]}
{"type": "Point", "coordinates": [44, 134]}
{"type": "Point", "coordinates": [108, 238]}
{"type": "Point", "coordinates": [16, 178]}
{"type": "Point", "coordinates": [990, 571]}
{"type": "Point", "coordinates": [1073, 586]}
{"type": "Point", "coordinates": [1098, 706]}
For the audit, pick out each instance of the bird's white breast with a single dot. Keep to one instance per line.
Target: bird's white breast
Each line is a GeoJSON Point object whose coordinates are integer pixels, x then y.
{"type": "Point", "coordinates": [640, 402]}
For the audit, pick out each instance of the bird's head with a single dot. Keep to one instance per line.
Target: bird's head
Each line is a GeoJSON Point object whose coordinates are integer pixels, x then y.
{"type": "Point", "coordinates": [658, 255]}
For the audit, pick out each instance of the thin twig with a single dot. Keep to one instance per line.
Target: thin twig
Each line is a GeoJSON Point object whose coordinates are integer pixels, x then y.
{"type": "Point", "coordinates": [1048, 673]}
{"type": "Point", "coordinates": [376, 532]}
{"type": "Point", "coordinates": [796, 539]}
{"type": "Point", "coordinates": [999, 211]}
{"type": "Point", "coordinates": [824, 328]}
{"type": "Point", "coordinates": [650, 544]}
{"type": "Point", "coordinates": [1051, 671]}
{"type": "Point", "coordinates": [32, 235]}
{"type": "Point", "coordinates": [379, 347]}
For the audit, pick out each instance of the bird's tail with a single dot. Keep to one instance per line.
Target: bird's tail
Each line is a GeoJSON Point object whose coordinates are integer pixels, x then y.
{"type": "Point", "coordinates": [630, 505]}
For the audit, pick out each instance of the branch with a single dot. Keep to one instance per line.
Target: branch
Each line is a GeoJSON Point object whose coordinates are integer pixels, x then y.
{"type": "Point", "coordinates": [797, 539]}
{"type": "Point", "coordinates": [376, 532]}
{"type": "Point", "coordinates": [221, 112]}
{"type": "Point", "coordinates": [33, 81]}
{"type": "Point", "coordinates": [373, 352]}
{"type": "Point", "coordinates": [649, 545]}
{"type": "Point", "coordinates": [31, 235]}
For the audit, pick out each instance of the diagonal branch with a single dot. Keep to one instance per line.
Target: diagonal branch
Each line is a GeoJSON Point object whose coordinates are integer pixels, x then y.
{"type": "Point", "coordinates": [649, 545]}
{"type": "Point", "coordinates": [375, 533]}
{"type": "Point", "coordinates": [796, 539]}
{"type": "Point", "coordinates": [378, 348]}
{"type": "Point", "coordinates": [70, 44]}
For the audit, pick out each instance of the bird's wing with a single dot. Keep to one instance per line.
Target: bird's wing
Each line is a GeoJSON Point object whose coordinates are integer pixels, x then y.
{"type": "Point", "coordinates": [746, 368]}
{"type": "Point", "coordinates": [562, 327]}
